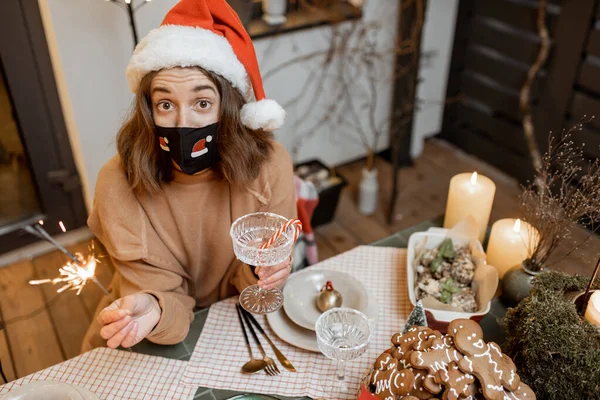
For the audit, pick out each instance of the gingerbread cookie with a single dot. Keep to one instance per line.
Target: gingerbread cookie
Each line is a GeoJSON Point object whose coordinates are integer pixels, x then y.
{"type": "Point", "coordinates": [458, 324]}
{"type": "Point", "coordinates": [425, 339]}
{"type": "Point", "coordinates": [456, 382]}
{"type": "Point", "coordinates": [388, 381]}
{"type": "Point", "coordinates": [403, 343]}
{"type": "Point", "coordinates": [419, 389]}
{"type": "Point", "coordinates": [495, 370]}
{"type": "Point", "coordinates": [431, 385]}
{"type": "Point", "coordinates": [523, 392]}
{"type": "Point", "coordinates": [441, 353]}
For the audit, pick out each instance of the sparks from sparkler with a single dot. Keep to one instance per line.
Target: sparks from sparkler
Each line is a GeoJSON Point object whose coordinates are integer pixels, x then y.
{"type": "Point", "coordinates": [75, 273]}
{"type": "Point", "coordinates": [74, 276]}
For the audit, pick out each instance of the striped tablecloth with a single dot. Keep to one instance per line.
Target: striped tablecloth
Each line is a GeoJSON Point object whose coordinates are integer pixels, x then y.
{"type": "Point", "coordinates": [221, 350]}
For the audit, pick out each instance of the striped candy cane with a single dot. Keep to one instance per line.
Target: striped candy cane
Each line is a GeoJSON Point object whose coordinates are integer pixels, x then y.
{"type": "Point", "coordinates": [292, 222]}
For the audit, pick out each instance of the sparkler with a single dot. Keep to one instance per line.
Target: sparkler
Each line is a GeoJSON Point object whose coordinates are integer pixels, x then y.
{"type": "Point", "coordinates": [75, 276]}
{"type": "Point", "coordinates": [76, 273]}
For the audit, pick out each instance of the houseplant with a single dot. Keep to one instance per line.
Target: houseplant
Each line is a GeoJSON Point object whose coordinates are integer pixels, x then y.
{"type": "Point", "coordinates": [564, 193]}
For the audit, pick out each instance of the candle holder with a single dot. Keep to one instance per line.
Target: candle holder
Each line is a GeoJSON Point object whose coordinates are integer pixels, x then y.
{"type": "Point", "coordinates": [587, 293]}
{"type": "Point", "coordinates": [578, 297]}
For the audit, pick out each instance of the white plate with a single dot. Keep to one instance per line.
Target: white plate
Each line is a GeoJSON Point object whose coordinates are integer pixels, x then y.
{"type": "Point", "coordinates": [291, 333]}
{"type": "Point", "coordinates": [49, 390]}
{"type": "Point", "coordinates": [302, 289]}
{"type": "Point", "coordinates": [302, 338]}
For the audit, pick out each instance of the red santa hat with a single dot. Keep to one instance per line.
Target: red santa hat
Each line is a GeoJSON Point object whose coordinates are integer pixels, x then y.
{"type": "Point", "coordinates": [208, 34]}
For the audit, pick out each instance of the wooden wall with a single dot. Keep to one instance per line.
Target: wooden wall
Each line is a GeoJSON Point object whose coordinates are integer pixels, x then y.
{"type": "Point", "coordinates": [495, 44]}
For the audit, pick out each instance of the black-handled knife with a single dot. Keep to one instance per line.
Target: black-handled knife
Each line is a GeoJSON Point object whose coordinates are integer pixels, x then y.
{"type": "Point", "coordinates": [284, 361]}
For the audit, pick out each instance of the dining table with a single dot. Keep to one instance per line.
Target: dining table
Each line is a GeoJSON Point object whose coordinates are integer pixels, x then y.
{"type": "Point", "coordinates": [491, 323]}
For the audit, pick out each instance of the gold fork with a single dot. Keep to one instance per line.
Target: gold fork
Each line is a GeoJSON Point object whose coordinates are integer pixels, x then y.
{"type": "Point", "coordinates": [284, 361]}
{"type": "Point", "coordinates": [271, 368]}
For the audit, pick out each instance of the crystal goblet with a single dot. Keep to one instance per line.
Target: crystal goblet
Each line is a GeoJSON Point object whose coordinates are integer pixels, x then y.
{"type": "Point", "coordinates": [343, 334]}
{"type": "Point", "coordinates": [248, 233]}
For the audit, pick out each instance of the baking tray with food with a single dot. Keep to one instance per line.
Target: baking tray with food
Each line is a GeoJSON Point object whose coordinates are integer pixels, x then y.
{"type": "Point", "coordinates": [447, 271]}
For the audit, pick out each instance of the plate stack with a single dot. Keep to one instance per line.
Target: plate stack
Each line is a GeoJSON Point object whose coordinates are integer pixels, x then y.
{"type": "Point", "coordinates": [295, 322]}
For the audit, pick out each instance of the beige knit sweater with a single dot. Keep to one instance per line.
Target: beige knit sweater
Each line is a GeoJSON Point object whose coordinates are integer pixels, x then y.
{"type": "Point", "coordinates": [176, 244]}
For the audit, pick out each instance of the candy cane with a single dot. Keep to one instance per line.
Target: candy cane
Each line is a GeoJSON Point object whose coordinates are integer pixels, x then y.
{"type": "Point", "coordinates": [292, 222]}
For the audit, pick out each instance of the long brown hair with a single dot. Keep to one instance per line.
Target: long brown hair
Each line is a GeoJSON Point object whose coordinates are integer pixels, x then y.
{"type": "Point", "coordinates": [242, 151]}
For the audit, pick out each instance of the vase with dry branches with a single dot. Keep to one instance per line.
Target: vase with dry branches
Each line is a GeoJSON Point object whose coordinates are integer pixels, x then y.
{"type": "Point", "coordinates": [364, 71]}
{"type": "Point", "coordinates": [131, 8]}
{"type": "Point", "coordinates": [348, 84]}
{"type": "Point", "coordinates": [274, 11]}
{"type": "Point", "coordinates": [565, 193]}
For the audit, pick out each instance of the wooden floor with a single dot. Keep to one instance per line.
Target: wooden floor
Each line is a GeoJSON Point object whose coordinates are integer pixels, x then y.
{"type": "Point", "coordinates": [55, 333]}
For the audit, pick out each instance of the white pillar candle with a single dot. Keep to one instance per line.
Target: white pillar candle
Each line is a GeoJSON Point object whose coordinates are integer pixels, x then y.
{"type": "Point", "coordinates": [470, 194]}
{"type": "Point", "coordinates": [509, 242]}
{"type": "Point", "coordinates": [592, 313]}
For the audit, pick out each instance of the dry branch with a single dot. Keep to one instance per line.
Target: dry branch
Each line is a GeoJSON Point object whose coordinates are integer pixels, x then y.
{"type": "Point", "coordinates": [525, 97]}
{"type": "Point", "coordinates": [354, 64]}
{"type": "Point", "coordinates": [566, 192]}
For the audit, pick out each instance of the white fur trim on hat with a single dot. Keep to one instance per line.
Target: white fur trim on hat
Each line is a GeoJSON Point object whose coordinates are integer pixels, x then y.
{"type": "Point", "coordinates": [185, 46]}
{"type": "Point", "coordinates": [263, 114]}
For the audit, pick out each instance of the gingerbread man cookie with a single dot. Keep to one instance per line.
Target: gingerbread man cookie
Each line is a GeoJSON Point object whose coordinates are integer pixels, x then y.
{"type": "Point", "coordinates": [425, 339]}
{"type": "Point", "coordinates": [431, 385]}
{"type": "Point", "coordinates": [403, 344]}
{"type": "Point", "coordinates": [441, 353]}
{"type": "Point", "coordinates": [419, 387]}
{"type": "Point", "coordinates": [523, 392]}
{"type": "Point", "coordinates": [456, 382]}
{"type": "Point", "coordinates": [458, 324]}
{"type": "Point", "coordinates": [388, 381]}
{"type": "Point", "coordinates": [495, 370]}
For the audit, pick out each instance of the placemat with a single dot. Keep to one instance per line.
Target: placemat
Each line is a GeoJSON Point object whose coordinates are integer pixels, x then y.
{"type": "Point", "coordinates": [114, 374]}
{"type": "Point", "coordinates": [220, 351]}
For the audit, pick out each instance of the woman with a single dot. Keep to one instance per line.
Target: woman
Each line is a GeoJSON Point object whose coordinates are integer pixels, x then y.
{"type": "Point", "coordinates": [193, 156]}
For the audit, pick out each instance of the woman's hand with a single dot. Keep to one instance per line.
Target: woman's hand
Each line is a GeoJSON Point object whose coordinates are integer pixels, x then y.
{"type": "Point", "coordinates": [275, 276]}
{"type": "Point", "coordinates": [129, 319]}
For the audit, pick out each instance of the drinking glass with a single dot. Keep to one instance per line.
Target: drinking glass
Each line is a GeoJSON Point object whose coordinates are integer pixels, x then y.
{"type": "Point", "coordinates": [343, 334]}
{"type": "Point", "coordinates": [248, 234]}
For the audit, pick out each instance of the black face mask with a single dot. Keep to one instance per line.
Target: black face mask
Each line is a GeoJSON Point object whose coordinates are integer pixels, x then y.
{"type": "Point", "coordinates": [193, 149]}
